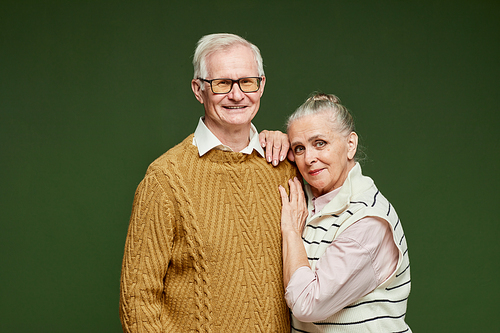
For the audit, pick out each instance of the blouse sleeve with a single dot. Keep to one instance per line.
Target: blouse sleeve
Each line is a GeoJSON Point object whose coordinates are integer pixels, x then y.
{"type": "Point", "coordinates": [356, 262]}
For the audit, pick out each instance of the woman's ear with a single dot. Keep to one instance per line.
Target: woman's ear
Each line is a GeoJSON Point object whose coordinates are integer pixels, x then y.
{"type": "Point", "coordinates": [352, 145]}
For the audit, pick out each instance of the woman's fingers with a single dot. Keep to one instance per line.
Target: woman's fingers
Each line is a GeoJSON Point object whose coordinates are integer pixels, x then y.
{"type": "Point", "coordinates": [298, 201]}
{"type": "Point", "coordinates": [294, 209]}
{"type": "Point", "coordinates": [284, 196]}
{"type": "Point", "coordinates": [296, 192]}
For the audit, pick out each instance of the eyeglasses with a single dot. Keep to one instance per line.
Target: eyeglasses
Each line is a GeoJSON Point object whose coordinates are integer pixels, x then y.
{"type": "Point", "coordinates": [224, 86]}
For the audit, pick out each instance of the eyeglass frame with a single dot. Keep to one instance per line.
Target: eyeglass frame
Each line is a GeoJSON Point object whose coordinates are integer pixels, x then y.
{"type": "Point", "coordinates": [259, 80]}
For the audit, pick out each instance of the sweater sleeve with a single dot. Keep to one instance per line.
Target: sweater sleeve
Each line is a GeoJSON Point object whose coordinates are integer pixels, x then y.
{"type": "Point", "coordinates": [147, 254]}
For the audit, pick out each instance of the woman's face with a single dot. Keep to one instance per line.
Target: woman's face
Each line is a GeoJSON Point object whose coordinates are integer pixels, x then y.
{"type": "Point", "coordinates": [323, 155]}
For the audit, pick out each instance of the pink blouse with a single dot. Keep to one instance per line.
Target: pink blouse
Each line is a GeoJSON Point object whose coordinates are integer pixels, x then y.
{"type": "Point", "coordinates": [361, 258]}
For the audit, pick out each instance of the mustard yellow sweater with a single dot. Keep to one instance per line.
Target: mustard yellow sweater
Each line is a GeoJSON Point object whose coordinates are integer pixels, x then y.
{"type": "Point", "coordinates": [203, 250]}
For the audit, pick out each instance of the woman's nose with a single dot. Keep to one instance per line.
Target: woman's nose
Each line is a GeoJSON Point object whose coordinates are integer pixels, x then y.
{"type": "Point", "coordinates": [310, 157]}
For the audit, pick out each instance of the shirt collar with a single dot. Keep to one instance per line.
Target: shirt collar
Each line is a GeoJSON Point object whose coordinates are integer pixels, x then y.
{"type": "Point", "coordinates": [205, 141]}
{"type": "Point", "coordinates": [321, 201]}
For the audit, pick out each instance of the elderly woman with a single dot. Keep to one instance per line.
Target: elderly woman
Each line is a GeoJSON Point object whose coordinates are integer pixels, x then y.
{"type": "Point", "coordinates": [345, 259]}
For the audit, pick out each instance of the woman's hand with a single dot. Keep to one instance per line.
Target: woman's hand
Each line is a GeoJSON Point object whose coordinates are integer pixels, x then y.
{"type": "Point", "coordinates": [277, 146]}
{"type": "Point", "coordinates": [294, 210]}
{"type": "Point", "coordinates": [293, 218]}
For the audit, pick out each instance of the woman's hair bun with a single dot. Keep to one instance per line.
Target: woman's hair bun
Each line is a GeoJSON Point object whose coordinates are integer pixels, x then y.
{"type": "Point", "coordinates": [325, 97]}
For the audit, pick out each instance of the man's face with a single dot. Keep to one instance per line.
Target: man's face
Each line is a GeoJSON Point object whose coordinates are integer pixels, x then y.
{"type": "Point", "coordinates": [235, 110]}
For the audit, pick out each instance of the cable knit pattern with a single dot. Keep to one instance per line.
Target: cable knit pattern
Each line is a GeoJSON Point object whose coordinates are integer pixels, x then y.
{"type": "Point", "coordinates": [203, 251]}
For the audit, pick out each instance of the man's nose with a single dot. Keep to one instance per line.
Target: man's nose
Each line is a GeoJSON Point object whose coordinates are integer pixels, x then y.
{"type": "Point", "coordinates": [236, 93]}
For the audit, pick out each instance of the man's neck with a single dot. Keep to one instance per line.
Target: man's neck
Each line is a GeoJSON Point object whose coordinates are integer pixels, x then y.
{"type": "Point", "coordinates": [237, 138]}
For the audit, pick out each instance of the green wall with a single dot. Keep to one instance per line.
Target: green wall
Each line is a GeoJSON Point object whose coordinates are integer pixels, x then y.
{"type": "Point", "coordinates": [91, 92]}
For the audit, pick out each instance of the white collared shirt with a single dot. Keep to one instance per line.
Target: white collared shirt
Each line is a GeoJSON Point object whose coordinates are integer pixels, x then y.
{"type": "Point", "coordinates": [205, 141]}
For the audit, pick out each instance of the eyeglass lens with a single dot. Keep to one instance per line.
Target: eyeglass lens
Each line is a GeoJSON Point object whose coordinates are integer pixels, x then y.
{"type": "Point", "coordinates": [247, 84]}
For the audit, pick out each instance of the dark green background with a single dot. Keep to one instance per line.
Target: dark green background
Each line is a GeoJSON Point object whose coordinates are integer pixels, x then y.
{"type": "Point", "coordinates": [91, 92]}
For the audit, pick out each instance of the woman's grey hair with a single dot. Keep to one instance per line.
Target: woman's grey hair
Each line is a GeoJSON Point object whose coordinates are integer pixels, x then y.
{"type": "Point", "coordinates": [338, 115]}
{"type": "Point", "coordinates": [209, 44]}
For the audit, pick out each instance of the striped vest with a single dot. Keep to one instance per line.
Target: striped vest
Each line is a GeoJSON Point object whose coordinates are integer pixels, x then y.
{"type": "Point", "coordinates": [384, 309]}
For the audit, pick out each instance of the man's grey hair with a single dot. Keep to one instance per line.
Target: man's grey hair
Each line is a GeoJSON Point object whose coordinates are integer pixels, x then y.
{"type": "Point", "coordinates": [209, 44]}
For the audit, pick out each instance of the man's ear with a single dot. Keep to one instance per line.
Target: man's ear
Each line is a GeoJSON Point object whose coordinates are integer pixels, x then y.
{"type": "Point", "coordinates": [352, 145]}
{"type": "Point", "coordinates": [262, 85]}
{"type": "Point", "coordinates": [196, 87]}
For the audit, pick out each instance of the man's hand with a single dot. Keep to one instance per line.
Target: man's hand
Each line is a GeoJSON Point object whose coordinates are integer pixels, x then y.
{"type": "Point", "coordinates": [276, 145]}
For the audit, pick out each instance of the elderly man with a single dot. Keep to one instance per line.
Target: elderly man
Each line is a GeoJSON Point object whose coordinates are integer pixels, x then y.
{"type": "Point", "coordinates": [203, 250]}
